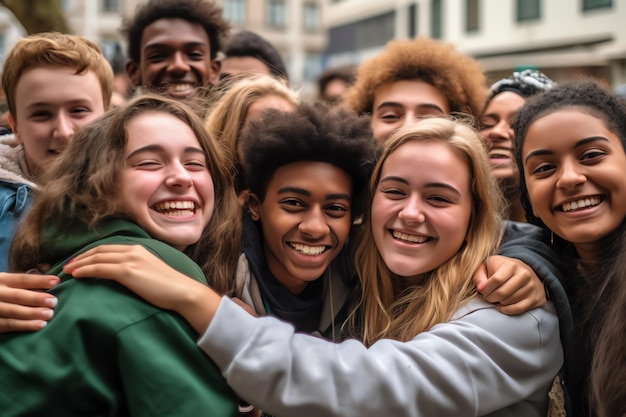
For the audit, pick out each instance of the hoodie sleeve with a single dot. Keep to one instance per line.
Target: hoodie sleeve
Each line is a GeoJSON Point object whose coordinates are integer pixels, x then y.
{"type": "Point", "coordinates": [479, 362]}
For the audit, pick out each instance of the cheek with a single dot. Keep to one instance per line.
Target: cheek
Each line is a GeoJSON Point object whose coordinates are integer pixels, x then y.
{"type": "Point", "coordinates": [342, 229]}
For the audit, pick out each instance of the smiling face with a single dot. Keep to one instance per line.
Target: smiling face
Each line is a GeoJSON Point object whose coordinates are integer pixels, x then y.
{"type": "Point", "coordinates": [496, 126]}
{"type": "Point", "coordinates": [305, 218]}
{"type": "Point", "coordinates": [166, 185]}
{"type": "Point", "coordinates": [400, 103]}
{"type": "Point", "coordinates": [420, 216]}
{"type": "Point", "coordinates": [175, 58]}
{"type": "Point", "coordinates": [574, 168]}
{"type": "Point", "coordinates": [50, 104]}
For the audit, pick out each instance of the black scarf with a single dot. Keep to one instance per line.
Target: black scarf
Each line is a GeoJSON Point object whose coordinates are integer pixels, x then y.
{"type": "Point", "coordinates": [302, 310]}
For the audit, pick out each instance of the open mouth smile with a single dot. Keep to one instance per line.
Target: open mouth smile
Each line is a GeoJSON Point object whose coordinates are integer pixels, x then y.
{"type": "Point", "coordinates": [308, 250]}
{"type": "Point", "coordinates": [405, 237]}
{"type": "Point", "coordinates": [175, 208]}
{"type": "Point", "coordinates": [580, 204]}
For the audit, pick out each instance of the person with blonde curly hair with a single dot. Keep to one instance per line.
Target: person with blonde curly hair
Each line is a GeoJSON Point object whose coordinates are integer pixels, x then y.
{"type": "Point", "coordinates": [416, 78]}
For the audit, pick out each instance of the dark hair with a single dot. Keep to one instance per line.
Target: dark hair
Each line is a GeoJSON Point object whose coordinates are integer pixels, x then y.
{"type": "Point", "coordinates": [310, 133]}
{"type": "Point", "coordinates": [346, 73]}
{"type": "Point", "coordinates": [586, 93]}
{"type": "Point", "coordinates": [205, 13]}
{"type": "Point", "coordinates": [249, 44]}
{"type": "Point", "coordinates": [602, 298]}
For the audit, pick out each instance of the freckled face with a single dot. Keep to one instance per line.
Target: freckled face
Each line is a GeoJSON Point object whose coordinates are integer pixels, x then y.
{"type": "Point", "coordinates": [166, 185]}
{"type": "Point", "coordinates": [574, 168]}
{"type": "Point", "coordinates": [400, 103]}
{"type": "Point", "coordinates": [420, 216]}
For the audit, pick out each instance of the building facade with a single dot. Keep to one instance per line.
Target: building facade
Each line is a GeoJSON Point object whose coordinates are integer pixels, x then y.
{"type": "Point", "coordinates": [563, 38]}
{"type": "Point", "coordinates": [294, 27]}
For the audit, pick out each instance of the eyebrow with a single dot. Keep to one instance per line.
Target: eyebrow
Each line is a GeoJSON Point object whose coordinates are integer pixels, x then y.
{"type": "Point", "coordinates": [419, 106]}
{"type": "Point", "coordinates": [578, 144]}
{"type": "Point", "coordinates": [159, 148]}
{"type": "Point", "coordinates": [74, 102]}
{"type": "Point", "coordinates": [427, 185]}
{"type": "Point", "coordinates": [193, 44]}
{"type": "Point", "coordinates": [307, 193]}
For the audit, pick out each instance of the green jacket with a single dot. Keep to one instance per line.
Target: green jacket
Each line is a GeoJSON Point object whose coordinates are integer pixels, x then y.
{"type": "Point", "coordinates": [106, 352]}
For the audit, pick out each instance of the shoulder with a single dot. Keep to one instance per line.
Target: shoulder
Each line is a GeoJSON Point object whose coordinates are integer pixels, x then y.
{"type": "Point", "coordinates": [11, 162]}
{"type": "Point", "coordinates": [537, 327]}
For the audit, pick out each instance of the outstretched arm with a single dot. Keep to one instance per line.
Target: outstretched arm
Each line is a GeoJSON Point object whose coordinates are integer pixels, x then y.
{"type": "Point", "coordinates": [151, 278]}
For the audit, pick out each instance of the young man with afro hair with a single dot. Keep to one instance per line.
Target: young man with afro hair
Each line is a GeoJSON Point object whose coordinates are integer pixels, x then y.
{"type": "Point", "coordinates": [307, 171]}
{"type": "Point", "coordinates": [173, 46]}
{"type": "Point", "coordinates": [416, 78]}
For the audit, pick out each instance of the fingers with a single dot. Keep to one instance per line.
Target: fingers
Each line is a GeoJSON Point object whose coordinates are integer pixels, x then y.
{"type": "Point", "coordinates": [515, 309]}
{"type": "Point", "coordinates": [28, 281]}
{"type": "Point", "coordinates": [18, 312]}
{"type": "Point", "coordinates": [480, 278]}
{"type": "Point", "coordinates": [10, 325]}
{"type": "Point", "coordinates": [24, 310]}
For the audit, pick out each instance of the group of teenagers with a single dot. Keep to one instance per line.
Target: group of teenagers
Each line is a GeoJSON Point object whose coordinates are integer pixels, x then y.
{"type": "Point", "coordinates": [219, 247]}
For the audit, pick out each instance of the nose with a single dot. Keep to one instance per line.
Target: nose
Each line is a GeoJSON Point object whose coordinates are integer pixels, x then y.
{"type": "Point", "coordinates": [412, 211]}
{"type": "Point", "coordinates": [178, 177]}
{"type": "Point", "coordinates": [500, 132]}
{"type": "Point", "coordinates": [570, 176]}
{"type": "Point", "coordinates": [410, 118]}
{"type": "Point", "coordinates": [178, 63]}
{"type": "Point", "coordinates": [314, 223]}
{"type": "Point", "coordinates": [63, 128]}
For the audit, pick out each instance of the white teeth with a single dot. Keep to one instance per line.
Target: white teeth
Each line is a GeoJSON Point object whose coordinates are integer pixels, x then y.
{"type": "Point", "coordinates": [181, 87]}
{"type": "Point", "coordinates": [308, 250]}
{"type": "Point", "coordinates": [176, 208]}
{"type": "Point", "coordinates": [409, 238]}
{"type": "Point", "coordinates": [581, 204]}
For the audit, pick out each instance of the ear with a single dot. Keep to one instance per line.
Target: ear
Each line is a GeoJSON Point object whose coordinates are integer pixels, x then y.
{"type": "Point", "coordinates": [134, 73]}
{"type": "Point", "coordinates": [216, 66]}
{"type": "Point", "coordinates": [254, 206]}
{"type": "Point", "coordinates": [14, 129]}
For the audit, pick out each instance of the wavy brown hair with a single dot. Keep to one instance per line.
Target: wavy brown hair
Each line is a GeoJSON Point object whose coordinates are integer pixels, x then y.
{"type": "Point", "coordinates": [82, 185]}
{"type": "Point", "coordinates": [459, 77]}
{"type": "Point", "coordinates": [395, 312]}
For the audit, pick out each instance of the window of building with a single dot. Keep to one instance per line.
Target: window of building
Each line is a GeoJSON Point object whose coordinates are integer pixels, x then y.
{"type": "Point", "coordinates": [235, 11]}
{"type": "Point", "coordinates": [111, 6]}
{"type": "Point", "coordinates": [311, 17]}
{"type": "Point", "coordinates": [67, 5]}
{"type": "Point", "coordinates": [413, 10]}
{"type": "Point", "coordinates": [276, 13]}
{"type": "Point", "coordinates": [472, 15]}
{"type": "Point", "coordinates": [312, 66]}
{"type": "Point", "coordinates": [528, 10]}
{"type": "Point", "coordinates": [436, 19]}
{"type": "Point", "coordinates": [597, 4]}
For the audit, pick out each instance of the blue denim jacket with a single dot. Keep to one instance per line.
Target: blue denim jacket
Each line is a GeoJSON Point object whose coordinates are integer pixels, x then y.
{"type": "Point", "coordinates": [15, 200]}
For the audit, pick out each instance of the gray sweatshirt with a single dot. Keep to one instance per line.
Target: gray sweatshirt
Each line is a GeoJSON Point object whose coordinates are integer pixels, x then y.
{"type": "Point", "coordinates": [479, 363]}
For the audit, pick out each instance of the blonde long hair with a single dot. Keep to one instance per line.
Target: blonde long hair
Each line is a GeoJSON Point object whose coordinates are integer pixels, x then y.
{"type": "Point", "coordinates": [391, 311]}
{"type": "Point", "coordinates": [226, 119]}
